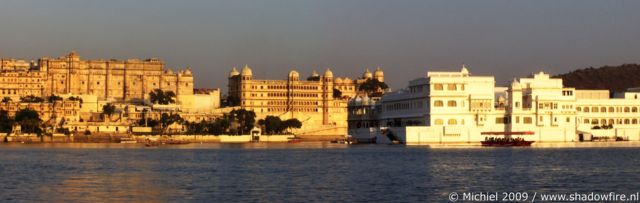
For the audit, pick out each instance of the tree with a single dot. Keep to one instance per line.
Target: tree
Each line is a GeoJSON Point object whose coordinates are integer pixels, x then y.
{"type": "Point", "coordinates": [313, 78]}
{"type": "Point", "coordinates": [108, 109]}
{"type": "Point", "coordinates": [75, 99]}
{"type": "Point", "coordinates": [157, 96]}
{"type": "Point", "coordinates": [6, 99]}
{"type": "Point", "coordinates": [31, 99]}
{"type": "Point", "coordinates": [245, 119]}
{"type": "Point", "coordinates": [293, 123]}
{"type": "Point", "coordinates": [6, 122]}
{"type": "Point", "coordinates": [271, 124]}
{"type": "Point", "coordinates": [274, 125]}
{"type": "Point", "coordinates": [53, 98]}
{"type": "Point", "coordinates": [166, 120]}
{"type": "Point", "coordinates": [29, 120]}
{"type": "Point", "coordinates": [371, 86]}
{"type": "Point", "coordinates": [337, 93]}
{"type": "Point", "coordinates": [232, 101]}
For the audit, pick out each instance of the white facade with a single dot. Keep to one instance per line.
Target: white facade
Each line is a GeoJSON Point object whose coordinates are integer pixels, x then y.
{"type": "Point", "coordinates": [457, 107]}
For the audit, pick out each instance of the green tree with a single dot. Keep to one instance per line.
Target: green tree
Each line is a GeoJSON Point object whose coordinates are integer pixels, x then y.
{"type": "Point", "coordinates": [246, 120]}
{"type": "Point", "coordinates": [293, 123]}
{"type": "Point", "coordinates": [108, 109]}
{"type": "Point", "coordinates": [53, 98]}
{"type": "Point", "coordinates": [372, 87]}
{"type": "Point", "coordinates": [168, 119]}
{"type": "Point", "coordinates": [31, 99]}
{"type": "Point", "coordinates": [271, 124]}
{"type": "Point", "coordinates": [29, 120]}
{"type": "Point", "coordinates": [6, 99]}
{"type": "Point", "coordinates": [6, 122]}
{"type": "Point", "coordinates": [157, 96]}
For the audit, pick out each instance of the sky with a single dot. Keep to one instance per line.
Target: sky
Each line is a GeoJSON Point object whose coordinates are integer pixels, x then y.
{"type": "Point", "coordinates": [405, 38]}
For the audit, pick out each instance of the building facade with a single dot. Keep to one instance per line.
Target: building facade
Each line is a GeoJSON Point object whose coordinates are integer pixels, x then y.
{"type": "Point", "coordinates": [126, 80]}
{"type": "Point", "coordinates": [319, 102]}
{"type": "Point", "coordinates": [458, 107]}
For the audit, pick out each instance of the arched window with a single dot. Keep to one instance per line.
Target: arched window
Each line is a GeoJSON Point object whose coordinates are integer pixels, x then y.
{"type": "Point", "coordinates": [586, 109]}
{"type": "Point", "coordinates": [634, 121]}
{"type": "Point", "coordinates": [603, 109]}
{"type": "Point", "coordinates": [452, 122]}
{"type": "Point", "coordinates": [611, 109]}
{"type": "Point", "coordinates": [603, 121]}
{"type": "Point", "coordinates": [634, 109]}
{"type": "Point", "coordinates": [627, 121]}
{"type": "Point", "coordinates": [578, 108]}
{"type": "Point", "coordinates": [438, 122]}
{"type": "Point", "coordinates": [438, 103]}
{"type": "Point", "coordinates": [451, 103]}
{"type": "Point", "coordinates": [626, 109]}
{"type": "Point", "coordinates": [594, 109]}
{"type": "Point", "coordinates": [594, 121]}
{"type": "Point", "coordinates": [586, 121]}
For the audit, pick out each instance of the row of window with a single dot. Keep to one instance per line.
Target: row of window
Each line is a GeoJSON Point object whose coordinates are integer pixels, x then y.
{"type": "Point", "coordinates": [450, 103]}
{"type": "Point", "coordinates": [450, 87]}
{"type": "Point", "coordinates": [610, 121]}
{"type": "Point", "coordinates": [610, 109]}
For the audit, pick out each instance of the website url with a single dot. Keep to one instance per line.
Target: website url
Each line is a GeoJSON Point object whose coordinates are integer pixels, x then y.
{"type": "Point", "coordinates": [590, 197]}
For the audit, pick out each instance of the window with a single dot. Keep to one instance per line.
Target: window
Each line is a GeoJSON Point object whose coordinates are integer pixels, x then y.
{"type": "Point", "coordinates": [451, 87]}
{"type": "Point", "coordinates": [626, 109]}
{"type": "Point", "coordinates": [452, 122]}
{"type": "Point", "coordinates": [437, 87]}
{"type": "Point", "coordinates": [594, 109]}
{"type": "Point", "coordinates": [517, 119]}
{"type": "Point", "coordinates": [451, 103]}
{"type": "Point", "coordinates": [438, 122]}
{"type": "Point", "coordinates": [438, 103]}
{"type": "Point", "coordinates": [586, 121]}
{"type": "Point", "coordinates": [578, 108]}
{"type": "Point", "coordinates": [568, 119]}
{"type": "Point", "coordinates": [499, 120]}
{"type": "Point", "coordinates": [603, 109]}
{"type": "Point", "coordinates": [611, 109]}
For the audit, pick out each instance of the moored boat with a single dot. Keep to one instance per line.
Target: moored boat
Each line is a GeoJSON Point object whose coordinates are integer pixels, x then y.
{"type": "Point", "coordinates": [506, 142]}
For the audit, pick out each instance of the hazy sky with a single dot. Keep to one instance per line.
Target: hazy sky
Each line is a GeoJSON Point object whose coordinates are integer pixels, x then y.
{"type": "Point", "coordinates": [406, 38]}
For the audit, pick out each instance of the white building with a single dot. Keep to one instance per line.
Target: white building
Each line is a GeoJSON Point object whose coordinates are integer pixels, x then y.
{"type": "Point", "coordinates": [448, 107]}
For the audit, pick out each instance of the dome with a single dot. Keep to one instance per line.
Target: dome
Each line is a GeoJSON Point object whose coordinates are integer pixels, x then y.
{"type": "Point", "coordinates": [246, 71]}
{"type": "Point", "coordinates": [328, 73]}
{"type": "Point", "coordinates": [367, 74]}
{"type": "Point", "coordinates": [338, 80]}
{"type": "Point", "coordinates": [378, 72]}
{"type": "Point", "coordinates": [168, 71]}
{"type": "Point", "coordinates": [233, 72]}
{"type": "Point", "coordinates": [187, 71]}
{"type": "Point", "coordinates": [294, 74]}
{"type": "Point", "coordinates": [347, 80]}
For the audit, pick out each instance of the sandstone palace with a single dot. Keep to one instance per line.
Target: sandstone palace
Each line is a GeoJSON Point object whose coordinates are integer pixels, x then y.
{"type": "Point", "coordinates": [127, 80]}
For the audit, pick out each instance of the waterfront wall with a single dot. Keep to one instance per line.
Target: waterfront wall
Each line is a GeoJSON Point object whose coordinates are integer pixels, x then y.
{"type": "Point", "coordinates": [61, 138]}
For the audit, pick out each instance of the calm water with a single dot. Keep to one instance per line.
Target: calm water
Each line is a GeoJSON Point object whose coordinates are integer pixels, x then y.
{"type": "Point", "coordinates": [303, 172]}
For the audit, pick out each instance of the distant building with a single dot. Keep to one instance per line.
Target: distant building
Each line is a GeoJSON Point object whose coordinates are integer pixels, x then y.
{"type": "Point", "coordinates": [314, 101]}
{"type": "Point", "coordinates": [107, 79]}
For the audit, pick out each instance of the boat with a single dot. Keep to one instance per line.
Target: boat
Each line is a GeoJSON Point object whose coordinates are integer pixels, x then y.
{"type": "Point", "coordinates": [294, 140]}
{"type": "Point", "coordinates": [506, 142]}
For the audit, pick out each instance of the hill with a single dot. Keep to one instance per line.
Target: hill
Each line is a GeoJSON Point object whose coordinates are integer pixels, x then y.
{"type": "Point", "coordinates": [613, 78]}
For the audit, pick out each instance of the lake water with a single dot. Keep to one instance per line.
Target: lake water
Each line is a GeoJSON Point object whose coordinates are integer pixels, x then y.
{"type": "Point", "coordinates": [304, 172]}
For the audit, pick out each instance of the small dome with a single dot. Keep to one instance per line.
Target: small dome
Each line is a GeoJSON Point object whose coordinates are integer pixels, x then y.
{"type": "Point", "coordinates": [294, 74]}
{"type": "Point", "coordinates": [338, 80]}
{"type": "Point", "coordinates": [187, 71]}
{"type": "Point", "coordinates": [464, 70]}
{"type": "Point", "coordinates": [246, 71]}
{"type": "Point", "coordinates": [379, 72]}
{"type": "Point", "coordinates": [328, 73]}
{"type": "Point", "coordinates": [367, 74]}
{"type": "Point", "coordinates": [168, 71]}
{"type": "Point", "coordinates": [347, 80]}
{"type": "Point", "coordinates": [233, 72]}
